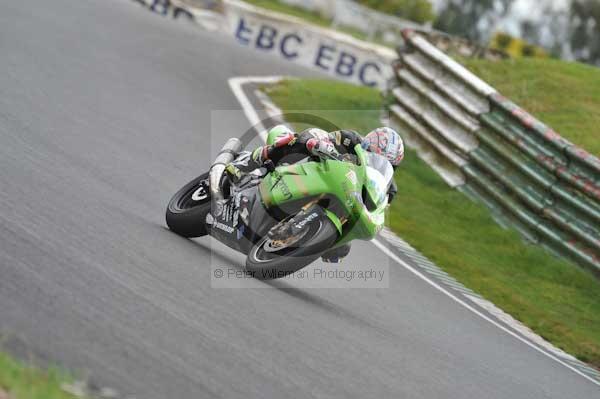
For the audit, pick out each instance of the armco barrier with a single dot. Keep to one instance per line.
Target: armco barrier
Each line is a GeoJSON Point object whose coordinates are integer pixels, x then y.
{"type": "Point", "coordinates": [493, 150]}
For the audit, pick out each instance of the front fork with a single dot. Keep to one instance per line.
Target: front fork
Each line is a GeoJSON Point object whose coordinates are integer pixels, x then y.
{"type": "Point", "coordinates": [308, 213]}
{"type": "Point", "coordinates": [324, 212]}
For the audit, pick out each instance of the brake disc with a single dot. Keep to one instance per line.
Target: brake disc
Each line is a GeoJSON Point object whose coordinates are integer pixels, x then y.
{"type": "Point", "coordinates": [274, 245]}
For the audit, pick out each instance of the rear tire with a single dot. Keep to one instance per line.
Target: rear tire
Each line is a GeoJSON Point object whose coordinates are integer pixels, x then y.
{"type": "Point", "coordinates": [321, 236]}
{"type": "Point", "coordinates": [187, 210]}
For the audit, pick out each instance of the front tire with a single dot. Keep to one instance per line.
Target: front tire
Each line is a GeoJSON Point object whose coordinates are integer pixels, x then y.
{"type": "Point", "coordinates": [187, 210]}
{"type": "Point", "coordinates": [264, 264]}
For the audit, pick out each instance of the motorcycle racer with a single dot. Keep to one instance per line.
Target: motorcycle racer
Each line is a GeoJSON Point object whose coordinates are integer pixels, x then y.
{"type": "Point", "coordinates": [290, 147]}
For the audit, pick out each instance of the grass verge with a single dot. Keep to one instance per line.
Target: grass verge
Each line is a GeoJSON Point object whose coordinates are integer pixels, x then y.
{"type": "Point", "coordinates": [274, 5]}
{"type": "Point", "coordinates": [20, 381]}
{"type": "Point", "coordinates": [565, 95]}
{"type": "Point", "coordinates": [556, 299]}
{"type": "Point", "coordinates": [312, 17]}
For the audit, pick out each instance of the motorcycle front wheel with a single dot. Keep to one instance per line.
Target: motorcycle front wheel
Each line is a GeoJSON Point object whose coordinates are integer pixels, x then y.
{"type": "Point", "coordinates": [187, 210]}
{"type": "Point", "coordinates": [267, 261]}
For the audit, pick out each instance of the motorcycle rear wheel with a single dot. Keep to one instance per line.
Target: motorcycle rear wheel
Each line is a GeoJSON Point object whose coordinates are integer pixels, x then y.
{"type": "Point", "coordinates": [266, 264]}
{"type": "Point", "coordinates": [187, 210]}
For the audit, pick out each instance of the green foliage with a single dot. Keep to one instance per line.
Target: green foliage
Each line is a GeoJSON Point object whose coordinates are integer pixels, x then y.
{"type": "Point", "coordinates": [470, 18]}
{"type": "Point", "coordinates": [555, 298]}
{"type": "Point", "coordinates": [585, 30]}
{"type": "Point", "coordinates": [311, 17]}
{"type": "Point", "coordinates": [528, 50]}
{"type": "Point", "coordinates": [571, 31]}
{"type": "Point", "coordinates": [297, 12]}
{"type": "Point", "coordinates": [419, 11]}
{"type": "Point", "coordinates": [503, 40]}
{"type": "Point", "coordinates": [25, 382]}
{"type": "Point", "coordinates": [516, 47]}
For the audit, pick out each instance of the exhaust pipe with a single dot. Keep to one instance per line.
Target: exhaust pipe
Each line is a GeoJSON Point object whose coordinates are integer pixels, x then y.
{"type": "Point", "coordinates": [230, 150]}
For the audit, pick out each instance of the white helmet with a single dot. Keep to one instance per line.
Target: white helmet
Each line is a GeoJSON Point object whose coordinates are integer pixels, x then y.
{"type": "Point", "coordinates": [387, 142]}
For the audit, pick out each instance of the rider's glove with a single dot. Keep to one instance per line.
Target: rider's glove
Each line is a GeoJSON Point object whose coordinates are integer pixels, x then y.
{"type": "Point", "coordinates": [234, 172]}
{"type": "Point", "coordinates": [322, 148]}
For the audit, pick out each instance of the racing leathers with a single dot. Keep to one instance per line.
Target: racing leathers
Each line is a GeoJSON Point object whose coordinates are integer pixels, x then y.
{"type": "Point", "coordinates": [290, 147]}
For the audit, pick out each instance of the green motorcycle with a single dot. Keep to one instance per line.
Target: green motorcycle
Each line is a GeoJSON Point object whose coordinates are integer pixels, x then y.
{"type": "Point", "coordinates": [285, 218]}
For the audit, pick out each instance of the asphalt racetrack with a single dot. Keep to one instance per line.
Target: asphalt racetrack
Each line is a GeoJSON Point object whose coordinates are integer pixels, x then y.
{"type": "Point", "coordinates": [105, 112]}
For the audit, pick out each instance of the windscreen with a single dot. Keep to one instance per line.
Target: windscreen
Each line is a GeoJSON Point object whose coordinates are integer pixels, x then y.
{"type": "Point", "coordinates": [381, 165]}
{"type": "Point", "coordinates": [379, 178]}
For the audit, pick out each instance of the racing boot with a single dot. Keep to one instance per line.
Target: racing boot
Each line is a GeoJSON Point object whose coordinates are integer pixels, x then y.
{"type": "Point", "coordinates": [336, 255]}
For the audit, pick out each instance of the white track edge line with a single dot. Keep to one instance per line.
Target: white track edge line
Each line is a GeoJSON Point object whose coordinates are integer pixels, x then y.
{"type": "Point", "coordinates": [236, 87]}
{"type": "Point", "coordinates": [392, 255]}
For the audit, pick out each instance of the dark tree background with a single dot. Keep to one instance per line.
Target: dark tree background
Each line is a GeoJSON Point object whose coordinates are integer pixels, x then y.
{"type": "Point", "coordinates": [419, 11]}
{"type": "Point", "coordinates": [572, 32]}
{"type": "Point", "coordinates": [585, 30]}
{"type": "Point", "coordinates": [473, 19]}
